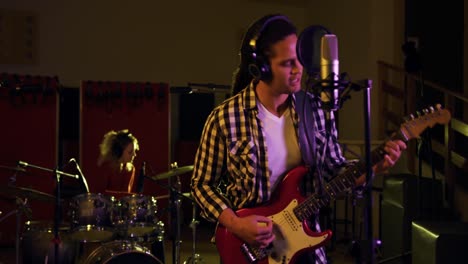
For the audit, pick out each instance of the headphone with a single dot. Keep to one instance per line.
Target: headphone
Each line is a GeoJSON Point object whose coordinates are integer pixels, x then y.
{"type": "Point", "coordinates": [259, 66]}
{"type": "Point", "coordinates": [121, 141]}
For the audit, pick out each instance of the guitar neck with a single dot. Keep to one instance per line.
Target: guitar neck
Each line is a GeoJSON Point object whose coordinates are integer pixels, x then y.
{"type": "Point", "coordinates": [342, 182]}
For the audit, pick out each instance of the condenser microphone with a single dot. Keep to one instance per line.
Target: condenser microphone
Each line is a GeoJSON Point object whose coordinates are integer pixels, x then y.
{"type": "Point", "coordinates": [141, 178]}
{"type": "Point", "coordinates": [329, 72]}
{"type": "Point", "coordinates": [82, 177]}
{"type": "Point", "coordinates": [317, 50]}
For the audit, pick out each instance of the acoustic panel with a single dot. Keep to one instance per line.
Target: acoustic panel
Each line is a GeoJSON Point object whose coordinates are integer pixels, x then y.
{"type": "Point", "coordinates": [28, 107]}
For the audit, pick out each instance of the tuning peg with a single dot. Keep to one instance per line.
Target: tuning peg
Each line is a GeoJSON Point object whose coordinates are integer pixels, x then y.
{"type": "Point", "coordinates": [431, 109]}
{"type": "Point", "coordinates": [411, 117]}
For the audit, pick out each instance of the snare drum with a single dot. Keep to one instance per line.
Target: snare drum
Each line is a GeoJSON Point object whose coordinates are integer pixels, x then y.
{"type": "Point", "coordinates": [153, 241]}
{"type": "Point", "coordinates": [123, 252]}
{"type": "Point", "coordinates": [37, 243]}
{"type": "Point", "coordinates": [91, 217]}
{"type": "Point", "coordinates": [137, 213]}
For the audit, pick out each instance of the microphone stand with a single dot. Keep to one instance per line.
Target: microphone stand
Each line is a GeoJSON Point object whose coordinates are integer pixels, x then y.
{"type": "Point", "coordinates": [365, 251]}
{"type": "Point", "coordinates": [58, 178]}
{"type": "Point", "coordinates": [369, 173]}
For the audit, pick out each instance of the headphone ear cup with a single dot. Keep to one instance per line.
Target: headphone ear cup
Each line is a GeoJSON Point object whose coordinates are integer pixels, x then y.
{"type": "Point", "coordinates": [254, 71]}
{"type": "Point", "coordinates": [265, 70]}
{"type": "Point", "coordinates": [260, 69]}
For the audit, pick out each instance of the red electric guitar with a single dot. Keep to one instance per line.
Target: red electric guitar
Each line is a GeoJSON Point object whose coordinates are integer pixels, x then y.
{"type": "Point", "coordinates": [288, 208]}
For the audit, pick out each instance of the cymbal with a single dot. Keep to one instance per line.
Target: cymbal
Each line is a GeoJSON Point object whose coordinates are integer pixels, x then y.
{"type": "Point", "coordinates": [16, 169]}
{"type": "Point", "coordinates": [173, 172]}
{"type": "Point", "coordinates": [26, 193]}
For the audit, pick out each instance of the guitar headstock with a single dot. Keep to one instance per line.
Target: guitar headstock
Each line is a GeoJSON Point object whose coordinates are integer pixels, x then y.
{"type": "Point", "coordinates": [428, 117]}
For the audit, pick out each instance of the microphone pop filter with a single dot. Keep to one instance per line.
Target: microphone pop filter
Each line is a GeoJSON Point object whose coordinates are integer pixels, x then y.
{"type": "Point", "coordinates": [308, 48]}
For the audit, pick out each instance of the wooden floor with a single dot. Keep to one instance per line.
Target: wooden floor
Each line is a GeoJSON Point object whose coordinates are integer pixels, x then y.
{"type": "Point", "coordinates": [204, 248]}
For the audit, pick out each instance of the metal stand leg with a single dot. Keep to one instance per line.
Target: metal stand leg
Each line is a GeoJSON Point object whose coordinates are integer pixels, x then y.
{"type": "Point", "coordinates": [195, 258]}
{"type": "Point", "coordinates": [17, 243]}
{"type": "Point", "coordinates": [176, 243]}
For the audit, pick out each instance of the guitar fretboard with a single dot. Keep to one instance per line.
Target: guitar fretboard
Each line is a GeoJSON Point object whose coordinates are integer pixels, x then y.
{"type": "Point", "coordinates": [341, 183]}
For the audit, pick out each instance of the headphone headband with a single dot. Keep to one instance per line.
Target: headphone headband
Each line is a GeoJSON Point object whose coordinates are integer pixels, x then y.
{"type": "Point", "coordinates": [258, 66]}
{"type": "Point", "coordinates": [258, 33]}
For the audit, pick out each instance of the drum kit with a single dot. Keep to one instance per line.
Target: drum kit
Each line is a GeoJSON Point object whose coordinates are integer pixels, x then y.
{"type": "Point", "coordinates": [101, 228]}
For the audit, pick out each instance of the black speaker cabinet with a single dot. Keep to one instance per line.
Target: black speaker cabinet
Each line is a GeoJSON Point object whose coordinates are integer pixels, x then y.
{"type": "Point", "coordinates": [439, 242]}
{"type": "Point", "coordinates": [401, 204]}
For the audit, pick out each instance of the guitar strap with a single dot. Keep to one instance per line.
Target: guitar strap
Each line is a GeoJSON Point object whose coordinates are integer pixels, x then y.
{"type": "Point", "coordinates": [306, 128]}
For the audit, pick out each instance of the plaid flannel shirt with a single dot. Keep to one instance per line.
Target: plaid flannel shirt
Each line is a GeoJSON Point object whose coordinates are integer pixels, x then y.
{"type": "Point", "coordinates": [233, 150]}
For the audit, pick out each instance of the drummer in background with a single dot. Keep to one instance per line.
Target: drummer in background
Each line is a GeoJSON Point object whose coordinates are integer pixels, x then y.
{"type": "Point", "coordinates": [117, 152]}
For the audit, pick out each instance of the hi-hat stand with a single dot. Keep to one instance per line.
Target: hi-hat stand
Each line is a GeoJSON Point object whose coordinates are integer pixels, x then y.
{"type": "Point", "coordinates": [175, 194]}
{"type": "Point", "coordinates": [175, 202]}
{"type": "Point", "coordinates": [195, 258]}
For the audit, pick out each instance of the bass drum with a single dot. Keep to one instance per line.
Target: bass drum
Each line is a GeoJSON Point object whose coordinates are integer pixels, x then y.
{"type": "Point", "coordinates": [37, 243]}
{"type": "Point", "coordinates": [122, 252]}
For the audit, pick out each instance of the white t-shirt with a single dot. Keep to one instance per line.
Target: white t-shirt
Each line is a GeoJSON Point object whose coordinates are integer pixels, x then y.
{"type": "Point", "coordinates": [281, 140]}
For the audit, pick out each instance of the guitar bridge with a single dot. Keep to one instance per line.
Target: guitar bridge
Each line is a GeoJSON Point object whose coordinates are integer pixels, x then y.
{"type": "Point", "coordinates": [253, 254]}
